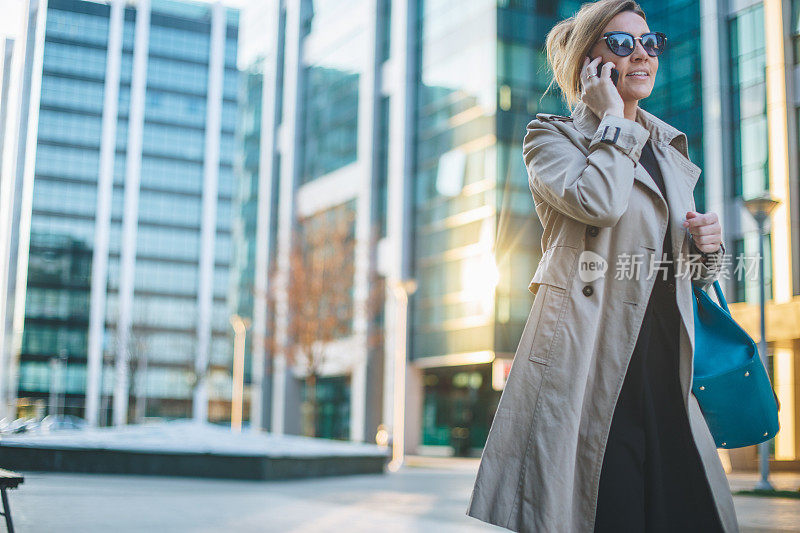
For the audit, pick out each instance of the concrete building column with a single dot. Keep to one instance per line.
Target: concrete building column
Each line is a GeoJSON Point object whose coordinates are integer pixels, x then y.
{"type": "Point", "coordinates": [368, 106]}
{"type": "Point", "coordinates": [777, 133]}
{"type": "Point", "coordinates": [105, 188]}
{"type": "Point", "coordinates": [261, 387]}
{"type": "Point", "coordinates": [208, 225]}
{"type": "Point", "coordinates": [130, 216]}
{"type": "Point", "coordinates": [21, 197]}
{"type": "Point", "coordinates": [285, 388]}
{"type": "Point", "coordinates": [395, 249]}
{"type": "Point", "coordinates": [716, 109]}
{"type": "Point", "coordinates": [10, 52]}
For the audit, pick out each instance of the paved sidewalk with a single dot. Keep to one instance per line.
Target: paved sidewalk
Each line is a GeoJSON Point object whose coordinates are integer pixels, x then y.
{"type": "Point", "coordinates": [755, 514]}
{"type": "Point", "coordinates": [758, 514]}
{"type": "Point", "coordinates": [427, 495]}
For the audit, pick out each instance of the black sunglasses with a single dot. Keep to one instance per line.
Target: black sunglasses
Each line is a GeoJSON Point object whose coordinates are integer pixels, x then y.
{"type": "Point", "coordinates": [623, 43]}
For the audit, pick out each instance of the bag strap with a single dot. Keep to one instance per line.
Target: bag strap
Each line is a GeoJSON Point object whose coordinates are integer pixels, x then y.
{"type": "Point", "coordinates": [720, 297]}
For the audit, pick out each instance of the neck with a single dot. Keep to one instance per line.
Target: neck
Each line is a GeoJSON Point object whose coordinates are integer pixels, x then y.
{"type": "Point", "coordinates": [630, 109]}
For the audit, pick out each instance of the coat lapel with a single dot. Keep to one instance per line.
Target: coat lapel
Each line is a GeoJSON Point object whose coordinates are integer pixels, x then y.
{"type": "Point", "coordinates": [670, 147]}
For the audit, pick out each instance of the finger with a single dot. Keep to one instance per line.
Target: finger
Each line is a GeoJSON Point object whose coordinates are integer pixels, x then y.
{"type": "Point", "coordinates": [585, 70]}
{"type": "Point", "coordinates": [699, 220]}
{"type": "Point", "coordinates": [706, 239]}
{"type": "Point", "coordinates": [708, 229]}
{"type": "Point", "coordinates": [606, 69]}
{"type": "Point", "coordinates": [593, 65]}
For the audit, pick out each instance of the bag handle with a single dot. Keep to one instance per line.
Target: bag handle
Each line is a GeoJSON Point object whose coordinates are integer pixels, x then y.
{"type": "Point", "coordinates": [720, 297]}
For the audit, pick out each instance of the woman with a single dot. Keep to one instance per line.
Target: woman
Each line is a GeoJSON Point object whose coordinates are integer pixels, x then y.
{"type": "Point", "coordinates": [597, 428]}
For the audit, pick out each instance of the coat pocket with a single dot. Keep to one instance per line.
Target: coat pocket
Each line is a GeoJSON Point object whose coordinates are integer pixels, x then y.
{"type": "Point", "coordinates": [548, 324]}
{"type": "Point", "coordinates": [555, 268]}
{"type": "Point", "coordinates": [551, 284]}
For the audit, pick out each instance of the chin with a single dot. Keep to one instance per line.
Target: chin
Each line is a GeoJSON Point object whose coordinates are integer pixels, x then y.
{"type": "Point", "coordinates": [637, 95]}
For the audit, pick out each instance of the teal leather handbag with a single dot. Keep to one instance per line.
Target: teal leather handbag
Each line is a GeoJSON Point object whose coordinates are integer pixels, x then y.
{"type": "Point", "coordinates": [730, 382]}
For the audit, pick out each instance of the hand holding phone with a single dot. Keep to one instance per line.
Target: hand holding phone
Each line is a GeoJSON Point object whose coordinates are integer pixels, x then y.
{"type": "Point", "coordinates": [614, 74]}
{"type": "Point", "coordinates": [596, 94]}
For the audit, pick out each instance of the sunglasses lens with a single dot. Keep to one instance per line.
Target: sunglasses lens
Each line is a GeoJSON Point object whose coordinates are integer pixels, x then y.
{"type": "Point", "coordinates": [621, 43]}
{"type": "Point", "coordinates": [653, 43]}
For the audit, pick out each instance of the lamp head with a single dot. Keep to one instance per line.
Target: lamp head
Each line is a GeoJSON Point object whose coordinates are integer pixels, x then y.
{"type": "Point", "coordinates": [760, 206]}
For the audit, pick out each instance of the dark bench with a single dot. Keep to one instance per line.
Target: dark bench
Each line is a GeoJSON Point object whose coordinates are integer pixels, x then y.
{"type": "Point", "coordinates": [8, 480]}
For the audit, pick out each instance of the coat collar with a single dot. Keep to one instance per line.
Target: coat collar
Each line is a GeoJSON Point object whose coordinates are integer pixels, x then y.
{"type": "Point", "coordinates": [674, 142]}
{"type": "Point", "coordinates": [587, 121]}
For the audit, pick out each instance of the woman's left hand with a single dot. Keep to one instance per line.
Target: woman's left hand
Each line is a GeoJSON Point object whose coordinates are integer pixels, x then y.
{"type": "Point", "coordinates": [705, 229]}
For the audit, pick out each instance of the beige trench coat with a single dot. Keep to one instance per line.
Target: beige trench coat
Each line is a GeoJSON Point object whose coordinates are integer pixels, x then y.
{"type": "Point", "coordinates": [540, 468]}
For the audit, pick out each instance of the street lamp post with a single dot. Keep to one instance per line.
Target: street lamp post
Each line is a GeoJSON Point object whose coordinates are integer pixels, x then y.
{"type": "Point", "coordinates": [402, 290]}
{"type": "Point", "coordinates": [240, 326]}
{"type": "Point", "coordinates": [760, 207]}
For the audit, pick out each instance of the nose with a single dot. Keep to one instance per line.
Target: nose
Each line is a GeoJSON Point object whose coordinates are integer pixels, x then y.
{"type": "Point", "coordinates": [638, 50]}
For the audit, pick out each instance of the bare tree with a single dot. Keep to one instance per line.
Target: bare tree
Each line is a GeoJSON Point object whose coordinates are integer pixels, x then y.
{"type": "Point", "coordinates": [319, 292]}
{"type": "Point", "coordinates": [139, 350]}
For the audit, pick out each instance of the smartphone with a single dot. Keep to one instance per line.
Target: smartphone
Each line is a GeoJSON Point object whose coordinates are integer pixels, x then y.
{"type": "Point", "coordinates": [614, 75]}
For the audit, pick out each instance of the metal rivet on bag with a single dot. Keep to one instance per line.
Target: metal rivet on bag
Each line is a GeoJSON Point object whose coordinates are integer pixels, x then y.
{"type": "Point", "coordinates": [766, 433]}
{"type": "Point", "coordinates": [702, 387]}
{"type": "Point", "coordinates": [747, 373]}
{"type": "Point", "coordinates": [724, 443]}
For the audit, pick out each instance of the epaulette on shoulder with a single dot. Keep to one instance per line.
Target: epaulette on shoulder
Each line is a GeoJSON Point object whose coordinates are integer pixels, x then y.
{"type": "Point", "coordinates": [552, 116]}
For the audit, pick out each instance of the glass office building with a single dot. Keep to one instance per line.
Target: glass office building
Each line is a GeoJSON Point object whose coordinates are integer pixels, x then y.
{"type": "Point", "coordinates": [421, 123]}
{"type": "Point", "coordinates": [133, 109]}
{"type": "Point", "coordinates": [317, 133]}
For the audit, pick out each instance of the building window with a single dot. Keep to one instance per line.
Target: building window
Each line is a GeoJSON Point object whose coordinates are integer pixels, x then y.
{"type": "Point", "coordinates": [749, 120]}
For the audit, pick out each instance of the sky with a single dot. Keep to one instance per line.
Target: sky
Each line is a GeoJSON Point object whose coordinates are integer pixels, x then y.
{"type": "Point", "coordinates": [12, 17]}
{"type": "Point", "coordinates": [12, 10]}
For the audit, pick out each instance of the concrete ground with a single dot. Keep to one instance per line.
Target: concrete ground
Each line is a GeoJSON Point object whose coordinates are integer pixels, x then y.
{"type": "Point", "coordinates": [425, 495]}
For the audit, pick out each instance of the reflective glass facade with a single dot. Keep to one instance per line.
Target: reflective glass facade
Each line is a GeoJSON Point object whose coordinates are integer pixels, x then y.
{"type": "Point", "coordinates": [64, 201]}
{"type": "Point", "coordinates": [243, 268]}
{"type": "Point", "coordinates": [750, 156]}
{"type": "Point", "coordinates": [165, 305]}
{"type": "Point", "coordinates": [334, 53]}
{"type": "Point", "coordinates": [677, 95]}
{"type": "Point", "coordinates": [455, 182]}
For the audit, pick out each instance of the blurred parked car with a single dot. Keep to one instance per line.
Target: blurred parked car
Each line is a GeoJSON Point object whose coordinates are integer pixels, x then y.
{"type": "Point", "coordinates": [59, 422]}
{"type": "Point", "coordinates": [21, 425]}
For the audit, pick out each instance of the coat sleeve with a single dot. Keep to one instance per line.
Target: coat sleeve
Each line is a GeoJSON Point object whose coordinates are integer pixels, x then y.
{"type": "Point", "coordinates": [594, 188]}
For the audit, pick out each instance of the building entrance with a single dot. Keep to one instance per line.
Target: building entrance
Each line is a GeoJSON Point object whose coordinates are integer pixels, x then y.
{"type": "Point", "coordinates": [459, 404]}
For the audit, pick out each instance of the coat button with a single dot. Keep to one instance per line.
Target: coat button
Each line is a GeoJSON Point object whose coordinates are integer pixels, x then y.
{"type": "Point", "coordinates": [588, 290]}
{"type": "Point", "coordinates": [593, 231]}
{"type": "Point", "coordinates": [671, 286]}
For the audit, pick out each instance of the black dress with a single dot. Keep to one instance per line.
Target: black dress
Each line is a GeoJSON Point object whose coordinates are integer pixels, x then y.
{"type": "Point", "coordinates": [652, 478]}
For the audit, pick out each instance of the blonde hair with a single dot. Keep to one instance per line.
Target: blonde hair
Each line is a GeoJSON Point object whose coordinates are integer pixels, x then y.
{"type": "Point", "coordinates": [569, 41]}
